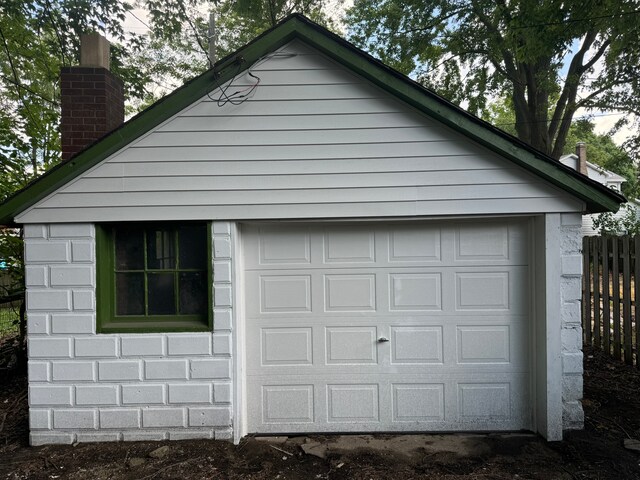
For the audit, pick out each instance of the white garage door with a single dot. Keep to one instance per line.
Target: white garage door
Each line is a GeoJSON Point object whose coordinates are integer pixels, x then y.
{"type": "Point", "coordinates": [387, 327]}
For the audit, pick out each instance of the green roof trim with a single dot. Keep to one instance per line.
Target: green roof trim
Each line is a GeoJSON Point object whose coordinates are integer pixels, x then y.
{"type": "Point", "coordinates": [597, 197]}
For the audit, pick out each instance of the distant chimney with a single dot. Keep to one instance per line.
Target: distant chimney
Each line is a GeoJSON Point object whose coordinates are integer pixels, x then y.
{"type": "Point", "coordinates": [92, 97]}
{"type": "Point", "coordinates": [581, 152]}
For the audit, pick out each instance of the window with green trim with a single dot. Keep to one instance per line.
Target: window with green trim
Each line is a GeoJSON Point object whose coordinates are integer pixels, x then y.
{"type": "Point", "coordinates": [153, 277]}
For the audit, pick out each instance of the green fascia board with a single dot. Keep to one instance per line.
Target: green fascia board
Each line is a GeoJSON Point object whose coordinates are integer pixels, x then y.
{"type": "Point", "coordinates": [597, 197]}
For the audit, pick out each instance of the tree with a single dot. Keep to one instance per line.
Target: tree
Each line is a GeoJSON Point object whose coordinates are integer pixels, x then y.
{"type": "Point", "coordinates": [549, 57]}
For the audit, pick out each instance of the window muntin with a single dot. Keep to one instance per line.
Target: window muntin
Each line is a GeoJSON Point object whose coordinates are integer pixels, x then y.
{"type": "Point", "coordinates": [154, 277]}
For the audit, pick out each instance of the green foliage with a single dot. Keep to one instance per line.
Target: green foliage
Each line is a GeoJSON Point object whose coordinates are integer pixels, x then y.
{"type": "Point", "coordinates": [540, 54]}
{"type": "Point", "coordinates": [626, 224]}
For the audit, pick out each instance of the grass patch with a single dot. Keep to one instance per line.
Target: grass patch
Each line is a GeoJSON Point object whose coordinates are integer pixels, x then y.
{"type": "Point", "coordinates": [9, 318]}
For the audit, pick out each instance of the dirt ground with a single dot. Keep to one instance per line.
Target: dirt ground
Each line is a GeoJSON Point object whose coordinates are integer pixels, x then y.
{"type": "Point", "coordinates": [612, 406]}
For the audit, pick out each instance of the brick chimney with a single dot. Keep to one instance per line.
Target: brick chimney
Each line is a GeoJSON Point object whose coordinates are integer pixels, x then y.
{"type": "Point", "coordinates": [92, 97]}
{"type": "Point", "coordinates": [581, 152]}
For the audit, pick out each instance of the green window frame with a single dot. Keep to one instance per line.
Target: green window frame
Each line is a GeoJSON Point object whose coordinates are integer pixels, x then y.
{"type": "Point", "coordinates": [155, 268]}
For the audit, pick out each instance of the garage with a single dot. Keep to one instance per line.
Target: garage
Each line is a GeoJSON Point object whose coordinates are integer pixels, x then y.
{"type": "Point", "coordinates": [418, 326]}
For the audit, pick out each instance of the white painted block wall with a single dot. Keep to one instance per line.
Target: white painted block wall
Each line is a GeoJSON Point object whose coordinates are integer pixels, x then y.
{"type": "Point", "coordinates": [85, 387]}
{"type": "Point", "coordinates": [571, 294]}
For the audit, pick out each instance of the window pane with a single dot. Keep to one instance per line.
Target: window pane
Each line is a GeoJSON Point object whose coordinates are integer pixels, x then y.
{"type": "Point", "coordinates": [161, 252]}
{"type": "Point", "coordinates": [129, 249]}
{"type": "Point", "coordinates": [193, 246]}
{"type": "Point", "coordinates": [161, 296]}
{"type": "Point", "coordinates": [129, 293]}
{"type": "Point", "coordinates": [193, 293]}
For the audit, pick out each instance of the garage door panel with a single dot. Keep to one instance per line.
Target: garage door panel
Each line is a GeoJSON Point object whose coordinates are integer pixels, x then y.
{"type": "Point", "coordinates": [414, 344]}
{"type": "Point", "coordinates": [349, 246]}
{"type": "Point", "coordinates": [351, 345]}
{"type": "Point", "coordinates": [393, 327]}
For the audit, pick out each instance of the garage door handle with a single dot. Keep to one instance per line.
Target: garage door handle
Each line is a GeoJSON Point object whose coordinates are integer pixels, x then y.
{"type": "Point", "coordinates": [383, 339]}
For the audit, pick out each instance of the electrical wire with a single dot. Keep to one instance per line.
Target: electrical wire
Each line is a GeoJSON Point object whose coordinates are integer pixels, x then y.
{"type": "Point", "coordinates": [240, 96]}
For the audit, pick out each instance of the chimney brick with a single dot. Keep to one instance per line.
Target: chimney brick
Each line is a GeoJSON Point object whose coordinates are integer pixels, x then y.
{"type": "Point", "coordinates": [92, 98]}
{"type": "Point", "coordinates": [581, 152]}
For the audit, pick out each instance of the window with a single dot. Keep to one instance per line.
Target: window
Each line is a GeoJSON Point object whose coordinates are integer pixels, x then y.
{"type": "Point", "coordinates": [153, 277]}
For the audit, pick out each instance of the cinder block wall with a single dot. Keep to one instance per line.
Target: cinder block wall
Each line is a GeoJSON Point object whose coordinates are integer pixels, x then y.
{"type": "Point", "coordinates": [86, 387]}
{"type": "Point", "coordinates": [571, 295]}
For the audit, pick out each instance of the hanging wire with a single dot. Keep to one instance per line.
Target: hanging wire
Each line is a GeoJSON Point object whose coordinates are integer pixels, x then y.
{"type": "Point", "coordinates": [240, 96]}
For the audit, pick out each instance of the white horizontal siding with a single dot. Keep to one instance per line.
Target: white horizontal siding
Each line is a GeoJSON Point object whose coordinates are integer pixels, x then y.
{"type": "Point", "coordinates": [312, 141]}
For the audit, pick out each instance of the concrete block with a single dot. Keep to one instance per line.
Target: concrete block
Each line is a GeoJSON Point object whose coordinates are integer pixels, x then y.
{"type": "Point", "coordinates": [101, 346]}
{"type": "Point", "coordinates": [142, 345]}
{"type": "Point", "coordinates": [571, 338]}
{"type": "Point", "coordinates": [72, 371]}
{"type": "Point", "coordinates": [222, 319]}
{"type": "Point", "coordinates": [84, 300]}
{"type": "Point", "coordinates": [571, 241]}
{"type": "Point", "coordinates": [222, 296]}
{"type": "Point", "coordinates": [49, 395]}
{"type": "Point", "coordinates": [75, 418]}
{"type": "Point", "coordinates": [571, 313]}
{"type": "Point", "coordinates": [48, 300]}
{"type": "Point", "coordinates": [572, 416]}
{"type": "Point", "coordinates": [46, 252]}
{"type": "Point", "coordinates": [199, 344]}
{"type": "Point", "coordinates": [120, 418]}
{"type": "Point", "coordinates": [571, 219]}
{"type": "Point", "coordinates": [143, 394]}
{"type": "Point", "coordinates": [138, 436]}
{"type": "Point", "coordinates": [222, 393]}
{"type": "Point", "coordinates": [72, 323]}
{"type": "Point", "coordinates": [95, 437]}
{"type": "Point", "coordinates": [572, 265]}
{"type": "Point", "coordinates": [221, 247]}
{"type": "Point", "coordinates": [35, 276]}
{"type": "Point", "coordinates": [72, 276]}
{"type": "Point", "coordinates": [210, 417]}
{"type": "Point", "coordinates": [570, 289]}
{"type": "Point", "coordinates": [224, 434]}
{"type": "Point", "coordinates": [211, 368]}
{"type": "Point", "coordinates": [572, 362]}
{"type": "Point", "coordinates": [165, 369]}
{"type": "Point", "coordinates": [221, 228]}
{"type": "Point", "coordinates": [190, 393]}
{"type": "Point", "coordinates": [71, 230]}
{"type": "Point", "coordinates": [191, 435]}
{"type": "Point", "coordinates": [571, 388]}
{"type": "Point", "coordinates": [96, 395]}
{"type": "Point", "coordinates": [82, 251]}
{"type": "Point", "coordinates": [39, 419]}
{"type": "Point", "coordinates": [222, 343]}
{"type": "Point", "coordinates": [38, 371]}
{"type": "Point", "coordinates": [163, 417]}
{"type": "Point", "coordinates": [41, 438]}
{"type": "Point", "coordinates": [222, 271]}
{"type": "Point", "coordinates": [49, 347]}
{"type": "Point", "coordinates": [37, 323]}
{"type": "Point", "coordinates": [35, 231]}
{"type": "Point", "coordinates": [118, 370]}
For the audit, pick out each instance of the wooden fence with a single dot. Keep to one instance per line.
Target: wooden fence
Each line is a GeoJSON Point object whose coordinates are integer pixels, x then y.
{"type": "Point", "coordinates": [609, 295]}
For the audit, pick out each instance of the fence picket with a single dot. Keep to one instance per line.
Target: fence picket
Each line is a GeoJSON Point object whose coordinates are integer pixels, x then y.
{"type": "Point", "coordinates": [595, 271]}
{"type": "Point", "coordinates": [636, 295]}
{"type": "Point", "coordinates": [626, 300]}
{"type": "Point", "coordinates": [606, 306]}
{"type": "Point", "coordinates": [586, 290]}
{"type": "Point", "coordinates": [615, 276]}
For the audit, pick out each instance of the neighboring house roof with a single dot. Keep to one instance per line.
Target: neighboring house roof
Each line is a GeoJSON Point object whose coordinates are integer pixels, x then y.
{"type": "Point", "coordinates": [595, 172]}
{"type": "Point", "coordinates": [596, 197]}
